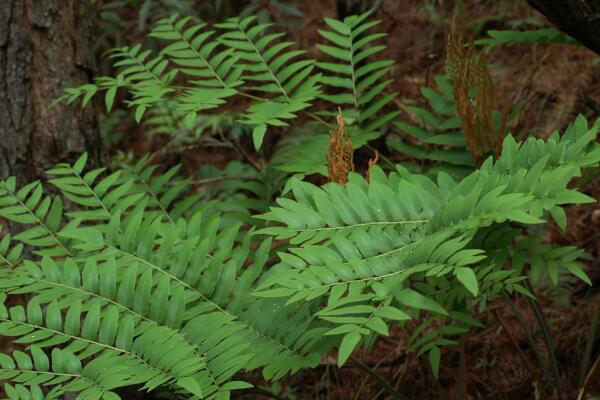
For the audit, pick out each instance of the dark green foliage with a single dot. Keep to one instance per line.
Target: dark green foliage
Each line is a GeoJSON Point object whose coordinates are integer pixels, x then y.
{"type": "Point", "coordinates": [141, 276]}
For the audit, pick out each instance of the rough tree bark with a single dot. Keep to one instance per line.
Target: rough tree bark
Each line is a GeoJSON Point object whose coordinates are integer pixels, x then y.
{"type": "Point", "coordinates": [45, 46]}
{"type": "Point", "coordinates": [578, 18]}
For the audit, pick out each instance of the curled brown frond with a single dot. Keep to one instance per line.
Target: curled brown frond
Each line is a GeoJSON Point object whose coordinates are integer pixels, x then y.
{"type": "Point", "coordinates": [372, 163]}
{"type": "Point", "coordinates": [340, 155]}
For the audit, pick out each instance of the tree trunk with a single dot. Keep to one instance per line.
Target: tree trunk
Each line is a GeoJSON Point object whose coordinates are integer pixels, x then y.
{"type": "Point", "coordinates": [45, 46]}
{"type": "Point", "coordinates": [578, 18]}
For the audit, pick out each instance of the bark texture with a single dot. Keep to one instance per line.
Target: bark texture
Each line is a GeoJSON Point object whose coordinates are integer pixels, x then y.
{"type": "Point", "coordinates": [45, 46]}
{"type": "Point", "coordinates": [578, 18]}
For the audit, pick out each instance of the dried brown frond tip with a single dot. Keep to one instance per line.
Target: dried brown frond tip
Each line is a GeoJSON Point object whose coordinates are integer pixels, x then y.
{"type": "Point", "coordinates": [372, 163]}
{"type": "Point", "coordinates": [340, 155]}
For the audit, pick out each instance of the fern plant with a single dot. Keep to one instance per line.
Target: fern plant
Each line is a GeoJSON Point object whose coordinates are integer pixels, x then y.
{"type": "Point", "coordinates": [187, 291]}
{"type": "Point", "coordinates": [426, 233]}
{"type": "Point", "coordinates": [138, 273]}
{"type": "Point", "coordinates": [117, 282]}
{"type": "Point", "coordinates": [360, 81]}
{"type": "Point", "coordinates": [201, 69]}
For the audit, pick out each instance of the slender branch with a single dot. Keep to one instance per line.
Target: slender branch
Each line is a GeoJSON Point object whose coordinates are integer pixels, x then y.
{"type": "Point", "coordinates": [236, 145]}
{"type": "Point", "coordinates": [588, 377]}
{"type": "Point", "coordinates": [364, 382]}
{"type": "Point", "coordinates": [219, 179]}
{"type": "Point", "coordinates": [386, 385]}
{"type": "Point", "coordinates": [381, 364]}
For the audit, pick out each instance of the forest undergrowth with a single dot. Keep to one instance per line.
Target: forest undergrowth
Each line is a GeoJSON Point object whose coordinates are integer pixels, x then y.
{"type": "Point", "coordinates": [315, 201]}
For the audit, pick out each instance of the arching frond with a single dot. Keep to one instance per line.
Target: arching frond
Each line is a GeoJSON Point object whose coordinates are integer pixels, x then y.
{"type": "Point", "coordinates": [28, 206]}
{"type": "Point", "coordinates": [435, 133]}
{"type": "Point", "coordinates": [194, 51]}
{"type": "Point", "coordinates": [274, 69]}
{"type": "Point", "coordinates": [94, 380]}
{"type": "Point", "coordinates": [423, 229]}
{"type": "Point", "coordinates": [509, 38]}
{"type": "Point", "coordinates": [147, 78]}
{"type": "Point", "coordinates": [357, 84]}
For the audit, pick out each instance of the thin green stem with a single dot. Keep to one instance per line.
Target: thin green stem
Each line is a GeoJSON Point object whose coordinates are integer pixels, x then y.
{"type": "Point", "coordinates": [221, 178]}
{"type": "Point", "coordinates": [547, 340]}
{"type": "Point", "coordinates": [364, 224]}
{"type": "Point", "coordinates": [532, 343]}
{"type": "Point", "coordinates": [462, 369]}
{"type": "Point", "coordinates": [587, 356]}
{"type": "Point", "coordinates": [386, 385]}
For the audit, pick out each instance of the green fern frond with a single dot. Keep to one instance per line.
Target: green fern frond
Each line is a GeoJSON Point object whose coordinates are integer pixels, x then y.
{"type": "Point", "coordinates": [302, 150]}
{"type": "Point", "coordinates": [155, 357]}
{"type": "Point", "coordinates": [207, 284]}
{"type": "Point", "coordinates": [509, 38]}
{"type": "Point", "coordinates": [140, 299]}
{"type": "Point", "coordinates": [29, 206]}
{"type": "Point", "coordinates": [32, 392]}
{"type": "Point", "coordinates": [163, 190]}
{"type": "Point", "coordinates": [275, 70]}
{"type": "Point", "coordinates": [546, 260]}
{"type": "Point", "coordinates": [360, 81]}
{"type": "Point", "coordinates": [101, 198]}
{"type": "Point", "coordinates": [94, 380]}
{"type": "Point", "coordinates": [166, 119]}
{"type": "Point", "coordinates": [193, 52]}
{"type": "Point", "coordinates": [239, 191]}
{"type": "Point", "coordinates": [147, 79]}
{"type": "Point", "coordinates": [437, 136]}
{"type": "Point", "coordinates": [421, 226]}
{"type": "Point", "coordinates": [140, 268]}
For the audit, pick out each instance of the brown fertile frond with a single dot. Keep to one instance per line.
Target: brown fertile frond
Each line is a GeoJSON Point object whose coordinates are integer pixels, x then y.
{"type": "Point", "coordinates": [486, 100]}
{"type": "Point", "coordinates": [340, 155]}
{"type": "Point", "coordinates": [459, 63]}
{"type": "Point", "coordinates": [469, 71]}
